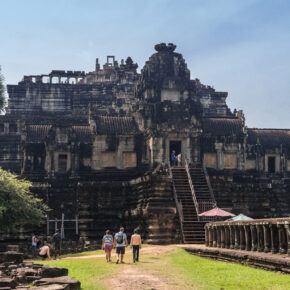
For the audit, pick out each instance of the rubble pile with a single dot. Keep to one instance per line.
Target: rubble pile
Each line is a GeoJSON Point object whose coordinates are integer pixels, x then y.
{"type": "Point", "coordinates": [16, 274]}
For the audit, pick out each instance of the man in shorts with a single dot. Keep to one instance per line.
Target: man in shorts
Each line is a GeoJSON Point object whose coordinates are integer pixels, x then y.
{"type": "Point", "coordinates": [120, 243]}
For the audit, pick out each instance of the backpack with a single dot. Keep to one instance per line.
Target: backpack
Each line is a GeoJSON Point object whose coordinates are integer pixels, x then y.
{"type": "Point", "coordinates": [120, 238]}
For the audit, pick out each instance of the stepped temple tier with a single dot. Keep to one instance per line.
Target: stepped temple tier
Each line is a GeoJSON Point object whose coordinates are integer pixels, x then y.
{"type": "Point", "coordinates": [97, 148]}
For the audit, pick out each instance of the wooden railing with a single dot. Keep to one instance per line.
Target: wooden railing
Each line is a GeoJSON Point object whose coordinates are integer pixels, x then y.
{"type": "Point", "coordinates": [192, 189]}
{"type": "Point", "coordinates": [178, 204]}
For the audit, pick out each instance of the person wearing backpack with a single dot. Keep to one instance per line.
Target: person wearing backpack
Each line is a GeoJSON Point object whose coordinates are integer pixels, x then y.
{"type": "Point", "coordinates": [56, 238]}
{"type": "Point", "coordinates": [120, 242]}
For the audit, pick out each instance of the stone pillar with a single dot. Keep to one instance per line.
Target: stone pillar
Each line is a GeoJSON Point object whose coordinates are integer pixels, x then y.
{"type": "Point", "coordinates": [222, 237]}
{"type": "Point", "coordinates": [274, 238]}
{"type": "Point", "coordinates": [287, 230]}
{"type": "Point", "coordinates": [282, 239]}
{"type": "Point", "coordinates": [248, 240]}
{"type": "Point", "coordinates": [266, 238]}
{"type": "Point", "coordinates": [206, 236]}
{"type": "Point", "coordinates": [254, 238]}
{"type": "Point", "coordinates": [260, 238]}
{"type": "Point", "coordinates": [218, 236]}
{"type": "Point", "coordinates": [242, 238]}
{"type": "Point", "coordinates": [237, 237]}
{"type": "Point", "coordinates": [210, 236]}
{"type": "Point", "coordinates": [232, 237]}
{"type": "Point", "coordinates": [227, 237]}
{"type": "Point", "coordinates": [214, 239]}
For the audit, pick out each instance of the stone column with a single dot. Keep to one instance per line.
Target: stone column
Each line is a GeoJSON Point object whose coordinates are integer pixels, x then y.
{"type": "Point", "coordinates": [214, 240]}
{"type": "Point", "coordinates": [248, 240]}
{"type": "Point", "coordinates": [206, 236]}
{"type": "Point", "coordinates": [260, 238]}
{"type": "Point", "coordinates": [274, 238]}
{"type": "Point", "coordinates": [210, 236]}
{"type": "Point", "coordinates": [218, 236]}
{"type": "Point", "coordinates": [222, 237]}
{"type": "Point", "coordinates": [227, 237]}
{"type": "Point", "coordinates": [242, 238]}
{"type": "Point", "coordinates": [254, 238]}
{"type": "Point", "coordinates": [282, 239]}
{"type": "Point", "coordinates": [266, 238]}
{"type": "Point", "coordinates": [237, 237]}
{"type": "Point", "coordinates": [232, 237]}
{"type": "Point", "coordinates": [287, 230]}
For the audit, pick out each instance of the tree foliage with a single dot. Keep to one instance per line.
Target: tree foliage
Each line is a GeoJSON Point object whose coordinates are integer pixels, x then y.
{"type": "Point", "coordinates": [18, 206]}
{"type": "Point", "coordinates": [2, 92]}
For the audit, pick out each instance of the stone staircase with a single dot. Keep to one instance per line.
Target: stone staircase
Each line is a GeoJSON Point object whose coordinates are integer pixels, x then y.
{"type": "Point", "coordinates": [203, 194]}
{"type": "Point", "coordinates": [193, 229]}
{"type": "Point", "coordinates": [195, 196]}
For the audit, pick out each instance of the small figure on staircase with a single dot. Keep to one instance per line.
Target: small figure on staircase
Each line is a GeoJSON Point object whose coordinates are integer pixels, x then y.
{"type": "Point", "coordinates": [173, 158]}
{"type": "Point", "coordinates": [179, 160]}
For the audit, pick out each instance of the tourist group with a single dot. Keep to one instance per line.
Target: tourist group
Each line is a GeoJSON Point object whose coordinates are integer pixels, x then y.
{"type": "Point", "coordinates": [119, 242]}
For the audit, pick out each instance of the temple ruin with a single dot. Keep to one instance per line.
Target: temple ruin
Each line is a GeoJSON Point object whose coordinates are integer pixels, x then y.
{"type": "Point", "coordinates": [97, 147]}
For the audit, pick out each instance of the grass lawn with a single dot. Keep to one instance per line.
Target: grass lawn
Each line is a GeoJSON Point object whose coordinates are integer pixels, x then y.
{"type": "Point", "coordinates": [184, 270]}
{"type": "Point", "coordinates": [89, 272]}
{"type": "Point", "coordinates": [202, 273]}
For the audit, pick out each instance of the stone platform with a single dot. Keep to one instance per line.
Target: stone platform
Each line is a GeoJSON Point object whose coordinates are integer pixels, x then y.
{"type": "Point", "coordinates": [266, 261]}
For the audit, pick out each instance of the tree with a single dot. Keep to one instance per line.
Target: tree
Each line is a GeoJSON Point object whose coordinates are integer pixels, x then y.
{"type": "Point", "coordinates": [2, 92]}
{"type": "Point", "coordinates": [18, 206]}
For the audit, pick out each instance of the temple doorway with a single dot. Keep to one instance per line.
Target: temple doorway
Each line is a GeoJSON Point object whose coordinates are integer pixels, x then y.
{"type": "Point", "coordinates": [176, 146]}
{"type": "Point", "coordinates": [271, 164]}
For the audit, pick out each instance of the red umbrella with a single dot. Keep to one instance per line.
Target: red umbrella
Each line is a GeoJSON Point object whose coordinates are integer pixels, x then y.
{"type": "Point", "coordinates": [217, 212]}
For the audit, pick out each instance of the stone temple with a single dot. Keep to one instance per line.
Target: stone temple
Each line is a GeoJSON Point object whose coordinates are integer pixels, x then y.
{"type": "Point", "coordinates": [97, 147]}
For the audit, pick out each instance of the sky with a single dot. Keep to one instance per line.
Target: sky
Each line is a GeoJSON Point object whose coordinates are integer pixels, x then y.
{"type": "Point", "coordinates": [241, 47]}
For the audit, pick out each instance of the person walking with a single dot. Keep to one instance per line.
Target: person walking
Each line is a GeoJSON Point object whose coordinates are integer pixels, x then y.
{"type": "Point", "coordinates": [120, 243]}
{"type": "Point", "coordinates": [135, 243]}
{"type": "Point", "coordinates": [107, 245]}
{"type": "Point", "coordinates": [56, 238]}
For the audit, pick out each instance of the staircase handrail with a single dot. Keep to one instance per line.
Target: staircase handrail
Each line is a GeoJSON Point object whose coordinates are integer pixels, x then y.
{"type": "Point", "coordinates": [179, 211]}
{"type": "Point", "coordinates": [192, 189]}
{"type": "Point", "coordinates": [208, 182]}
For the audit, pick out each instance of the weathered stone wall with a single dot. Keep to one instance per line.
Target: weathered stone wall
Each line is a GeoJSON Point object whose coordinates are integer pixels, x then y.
{"type": "Point", "coordinates": [253, 194]}
{"type": "Point", "coordinates": [108, 201]}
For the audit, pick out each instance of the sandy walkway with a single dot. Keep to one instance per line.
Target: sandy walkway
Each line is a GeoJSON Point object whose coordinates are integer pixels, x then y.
{"type": "Point", "coordinates": [132, 276]}
{"type": "Point", "coordinates": [154, 250]}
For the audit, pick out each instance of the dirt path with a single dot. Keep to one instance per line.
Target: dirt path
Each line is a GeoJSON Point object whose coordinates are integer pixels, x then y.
{"type": "Point", "coordinates": [135, 276]}
{"type": "Point", "coordinates": [132, 277]}
{"type": "Point", "coordinates": [154, 250]}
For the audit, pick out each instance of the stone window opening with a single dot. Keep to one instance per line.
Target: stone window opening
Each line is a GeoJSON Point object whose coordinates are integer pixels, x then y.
{"type": "Point", "coordinates": [1, 128]}
{"type": "Point", "coordinates": [271, 164]}
{"type": "Point", "coordinates": [62, 163]}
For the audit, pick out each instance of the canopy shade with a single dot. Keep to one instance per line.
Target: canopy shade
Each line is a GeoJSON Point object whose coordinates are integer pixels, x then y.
{"type": "Point", "coordinates": [217, 212]}
{"type": "Point", "coordinates": [240, 217]}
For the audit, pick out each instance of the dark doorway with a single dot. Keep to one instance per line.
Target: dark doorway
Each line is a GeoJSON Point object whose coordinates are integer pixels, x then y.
{"type": "Point", "coordinates": [176, 146]}
{"type": "Point", "coordinates": [271, 164]}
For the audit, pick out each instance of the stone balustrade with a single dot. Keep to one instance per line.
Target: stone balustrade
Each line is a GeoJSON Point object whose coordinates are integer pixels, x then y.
{"type": "Point", "coordinates": [262, 235]}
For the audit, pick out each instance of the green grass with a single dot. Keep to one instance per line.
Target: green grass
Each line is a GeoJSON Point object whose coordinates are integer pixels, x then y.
{"type": "Point", "coordinates": [202, 273]}
{"type": "Point", "coordinates": [90, 272]}
{"type": "Point", "coordinates": [87, 253]}
{"type": "Point", "coordinates": [183, 270]}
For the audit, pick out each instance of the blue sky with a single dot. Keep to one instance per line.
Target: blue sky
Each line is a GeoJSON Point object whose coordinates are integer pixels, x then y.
{"type": "Point", "coordinates": [239, 46]}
